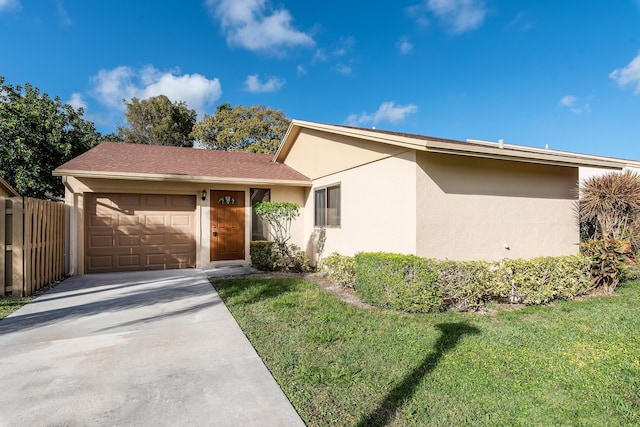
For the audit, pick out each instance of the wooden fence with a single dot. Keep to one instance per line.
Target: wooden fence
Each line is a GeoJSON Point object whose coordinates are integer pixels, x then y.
{"type": "Point", "coordinates": [31, 244]}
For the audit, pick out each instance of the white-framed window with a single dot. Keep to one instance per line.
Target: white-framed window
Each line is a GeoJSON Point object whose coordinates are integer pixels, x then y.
{"type": "Point", "coordinates": [327, 206]}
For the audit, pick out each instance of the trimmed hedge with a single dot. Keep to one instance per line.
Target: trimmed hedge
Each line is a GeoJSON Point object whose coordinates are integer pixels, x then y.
{"type": "Point", "coordinates": [340, 269]}
{"type": "Point", "coordinates": [465, 285]}
{"type": "Point", "coordinates": [413, 284]}
{"type": "Point", "coordinates": [541, 280]}
{"type": "Point", "coordinates": [399, 282]}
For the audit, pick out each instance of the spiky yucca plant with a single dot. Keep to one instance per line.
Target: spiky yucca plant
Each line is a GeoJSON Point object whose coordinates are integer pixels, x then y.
{"type": "Point", "coordinates": [609, 215]}
{"type": "Point", "coordinates": [612, 203]}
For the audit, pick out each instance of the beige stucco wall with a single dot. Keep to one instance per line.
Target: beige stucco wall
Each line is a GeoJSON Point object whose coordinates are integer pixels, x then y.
{"type": "Point", "coordinates": [296, 195]}
{"type": "Point", "coordinates": [473, 208]}
{"type": "Point", "coordinates": [589, 172]}
{"type": "Point", "coordinates": [74, 198]}
{"type": "Point", "coordinates": [318, 154]}
{"type": "Point", "coordinates": [378, 209]}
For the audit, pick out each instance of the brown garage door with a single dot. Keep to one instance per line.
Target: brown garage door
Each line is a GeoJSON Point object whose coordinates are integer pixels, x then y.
{"type": "Point", "coordinates": [125, 232]}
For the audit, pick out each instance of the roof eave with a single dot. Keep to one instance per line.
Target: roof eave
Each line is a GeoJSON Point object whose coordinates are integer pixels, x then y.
{"type": "Point", "coordinates": [527, 157]}
{"type": "Point", "coordinates": [9, 188]}
{"type": "Point", "coordinates": [521, 154]}
{"type": "Point", "coordinates": [180, 178]}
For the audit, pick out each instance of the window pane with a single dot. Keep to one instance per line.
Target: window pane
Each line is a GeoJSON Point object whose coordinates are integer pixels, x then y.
{"type": "Point", "coordinates": [259, 227]}
{"type": "Point", "coordinates": [320, 208]}
{"type": "Point", "coordinates": [333, 206]}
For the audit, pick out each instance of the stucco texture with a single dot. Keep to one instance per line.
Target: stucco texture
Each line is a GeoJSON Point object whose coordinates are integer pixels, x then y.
{"type": "Point", "coordinates": [445, 206]}
{"type": "Point", "coordinates": [474, 208]}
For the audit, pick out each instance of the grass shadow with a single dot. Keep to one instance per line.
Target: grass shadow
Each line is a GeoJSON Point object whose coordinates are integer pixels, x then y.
{"type": "Point", "coordinates": [451, 333]}
{"type": "Point", "coordinates": [251, 291]}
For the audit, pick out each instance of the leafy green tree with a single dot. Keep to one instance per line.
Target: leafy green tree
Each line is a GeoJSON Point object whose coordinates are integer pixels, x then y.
{"type": "Point", "coordinates": [158, 121]}
{"type": "Point", "coordinates": [281, 256]}
{"type": "Point", "coordinates": [256, 129]}
{"type": "Point", "coordinates": [279, 216]}
{"type": "Point", "coordinates": [38, 134]}
{"type": "Point", "coordinates": [109, 137]}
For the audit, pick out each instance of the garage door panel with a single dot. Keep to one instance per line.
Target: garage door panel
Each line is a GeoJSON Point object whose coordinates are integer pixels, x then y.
{"type": "Point", "coordinates": [156, 240]}
{"type": "Point", "coordinates": [103, 221]}
{"type": "Point", "coordinates": [126, 241]}
{"type": "Point", "coordinates": [125, 232]}
{"type": "Point", "coordinates": [101, 241]}
{"type": "Point", "coordinates": [154, 220]}
{"type": "Point", "coordinates": [155, 259]}
{"type": "Point", "coordinates": [183, 203]}
{"type": "Point", "coordinates": [178, 263]}
{"type": "Point", "coordinates": [128, 260]}
{"type": "Point", "coordinates": [127, 200]}
{"type": "Point", "coordinates": [124, 220]}
{"type": "Point", "coordinates": [101, 262]}
{"type": "Point", "coordinates": [155, 201]}
{"type": "Point", "coordinates": [179, 239]}
{"type": "Point", "coordinates": [181, 221]}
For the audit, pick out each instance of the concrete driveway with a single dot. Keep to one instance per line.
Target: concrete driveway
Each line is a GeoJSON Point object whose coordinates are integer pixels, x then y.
{"type": "Point", "coordinates": [144, 348]}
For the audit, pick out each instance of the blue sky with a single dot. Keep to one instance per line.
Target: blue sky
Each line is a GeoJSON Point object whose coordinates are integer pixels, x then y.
{"type": "Point", "coordinates": [563, 73]}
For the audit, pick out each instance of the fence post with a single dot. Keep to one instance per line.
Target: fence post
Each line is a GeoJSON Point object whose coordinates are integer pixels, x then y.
{"type": "Point", "coordinates": [28, 246]}
{"type": "Point", "coordinates": [17, 284]}
{"type": "Point", "coordinates": [3, 243]}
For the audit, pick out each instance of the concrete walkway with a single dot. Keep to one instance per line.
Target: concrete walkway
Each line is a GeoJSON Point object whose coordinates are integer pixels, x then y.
{"type": "Point", "coordinates": [144, 349]}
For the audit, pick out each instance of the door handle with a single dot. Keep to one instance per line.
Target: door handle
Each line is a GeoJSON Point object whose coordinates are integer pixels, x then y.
{"type": "Point", "coordinates": [214, 234]}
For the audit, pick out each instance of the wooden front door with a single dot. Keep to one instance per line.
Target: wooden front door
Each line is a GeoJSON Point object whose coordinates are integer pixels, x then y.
{"type": "Point", "coordinates": [227, 225]}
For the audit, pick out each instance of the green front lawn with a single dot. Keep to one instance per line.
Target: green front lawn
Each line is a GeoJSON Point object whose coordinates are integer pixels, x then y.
{"type": "Point", "coordinates": [574, 363]}
{"type": "Point", "coordinates": [8, 305]}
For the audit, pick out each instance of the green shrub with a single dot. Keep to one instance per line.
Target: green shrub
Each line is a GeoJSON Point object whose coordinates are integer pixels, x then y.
{"type": "Point", "coordinates": [399, 282]}
{"type": "Point", "coordinates": [610, 259]}
{"type": "Point", "coordinates": [413, 284]}
{"type": "Point", "coordinates": [541, 280]}
{"type": "Point", "coordinates": [632, 271]}
{"type": "Point", "coordinates": [297, 261]}
{"type": "Point", "coordinates": [465, 285]}
{"type": "Point", "coordinates": [260, 253]}
{"type": "Point", "coordinates": [340, 269]}
{"type": "Point", "coordinates": [270, 256]}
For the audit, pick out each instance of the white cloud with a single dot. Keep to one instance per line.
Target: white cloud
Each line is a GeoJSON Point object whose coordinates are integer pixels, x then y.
{"type": "Point", "coordinates": [9, 4]}
{"type": "Point", "coordinates": [254, 85]}
{"type": "Point", "coordinates": [345, 46]}
{"type": "Point", "coordinates": [575, 104]}
{"type": "Point", "coordinates": [77, 101]}
{"type": "Point", "coordinates": [301, 70]}
{"type": "Point", "coordinates": [405, 46]}
{"type": "Point", "coordinates": [344, 69]}
{"type": "Point", "coordinates": [255, 26]}
{"type": "Point", "coordinates": [458, 15]}
{"type": "Point", "coordinates": [387, 112]}
{"type": "Point", "coordinates": [112, 86]}
{"type": "Point", "coordinates": [320, 55]}
{"type": "Point", "coordinates": [339, 57]}
{"type": "Point", "coordinates": [63, 15]}
{"type": "Point", "coordinates": [629, 75]}
{"type": "Point", "coordinates": [521, 22]}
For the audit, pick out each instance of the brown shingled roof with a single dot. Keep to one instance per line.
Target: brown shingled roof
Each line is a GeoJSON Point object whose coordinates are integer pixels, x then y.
{"type": "Point", "coordinates": [137, 159]}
